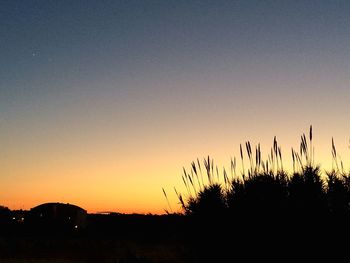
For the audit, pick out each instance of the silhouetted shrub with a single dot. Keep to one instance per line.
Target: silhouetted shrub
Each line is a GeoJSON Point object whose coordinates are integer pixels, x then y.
{"type": "Point", "coordinates": [265, 189]}
{"type": "Point", "coordinates": [266, 209]}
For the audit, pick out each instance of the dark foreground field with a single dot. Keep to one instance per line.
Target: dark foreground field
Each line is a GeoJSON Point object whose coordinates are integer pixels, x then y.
{"type": "Point", "coordinates": [174, 238]}
{"type": "Point", "coordinates": [107, 238]}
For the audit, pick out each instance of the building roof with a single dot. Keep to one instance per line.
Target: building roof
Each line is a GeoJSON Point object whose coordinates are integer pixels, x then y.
{"type": "Point", "coordinates": [60, 205]}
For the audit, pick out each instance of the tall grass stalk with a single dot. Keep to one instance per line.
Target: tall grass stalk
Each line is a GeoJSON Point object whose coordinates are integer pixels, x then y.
{"type": "Point", "coordinates": [269, 178]}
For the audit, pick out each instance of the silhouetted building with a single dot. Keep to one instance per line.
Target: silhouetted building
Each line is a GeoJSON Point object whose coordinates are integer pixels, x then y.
{"type": "Point", "coordinates": [58, 214]}
{"type": "Point", "coordinates": [18, 215]}
{"type": "Point", "coordinates": [5, 213]}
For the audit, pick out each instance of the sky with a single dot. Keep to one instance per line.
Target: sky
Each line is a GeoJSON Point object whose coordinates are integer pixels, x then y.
{"type": "Point", "coordinates": [103, 102]}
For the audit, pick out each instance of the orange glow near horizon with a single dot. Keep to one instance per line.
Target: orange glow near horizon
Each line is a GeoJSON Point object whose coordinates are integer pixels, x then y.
{"type": "Point", "coordinates": [133, 185]}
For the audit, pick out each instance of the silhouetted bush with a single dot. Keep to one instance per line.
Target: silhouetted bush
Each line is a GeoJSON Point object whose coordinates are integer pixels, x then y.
{"type": "Point", "coordinates": [265, 189]}
{"type": "Point", "coordinates": [265, 207]}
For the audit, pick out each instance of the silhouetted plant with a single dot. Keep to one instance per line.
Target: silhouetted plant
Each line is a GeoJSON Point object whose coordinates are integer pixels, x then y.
{"type": "Point", "coordinates": [265, 189]}
{"type": "Point", "coordinates": [307, 191]}
{"type": "Point", "coordinates": [338, 192]}
{"type": "Point", "coordinates": [209, 201]}
{"type": "Point", "coordinates": [263, 207]}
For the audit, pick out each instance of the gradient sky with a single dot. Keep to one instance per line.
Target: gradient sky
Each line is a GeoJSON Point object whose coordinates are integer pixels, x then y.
{"type": "Point", "coordinates": [103, 102]}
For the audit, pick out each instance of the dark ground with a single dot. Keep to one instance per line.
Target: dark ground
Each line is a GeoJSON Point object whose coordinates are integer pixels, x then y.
{"type": "Point", "coordinates": [107, 238]}
{"type": "Point", "coordinates": [174, 238]}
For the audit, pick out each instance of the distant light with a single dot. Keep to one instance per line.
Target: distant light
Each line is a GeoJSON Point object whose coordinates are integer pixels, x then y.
{"type": "Point", "coordinates": [13, 218]}
{"type": "Point", "coordinates": [22, 218]}
{"type": "Point", "coordinates": [76, 227]}
{"type": "Point", "coordinates": [68, 217]}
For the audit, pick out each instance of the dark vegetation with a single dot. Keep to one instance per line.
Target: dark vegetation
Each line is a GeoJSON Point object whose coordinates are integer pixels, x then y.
{"type": "Point", "coordinates": [260, 213]}
{"type": "Point", "coordinates": [265, 188]}
{"type": "Point", "coordinates": [265, 209]}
